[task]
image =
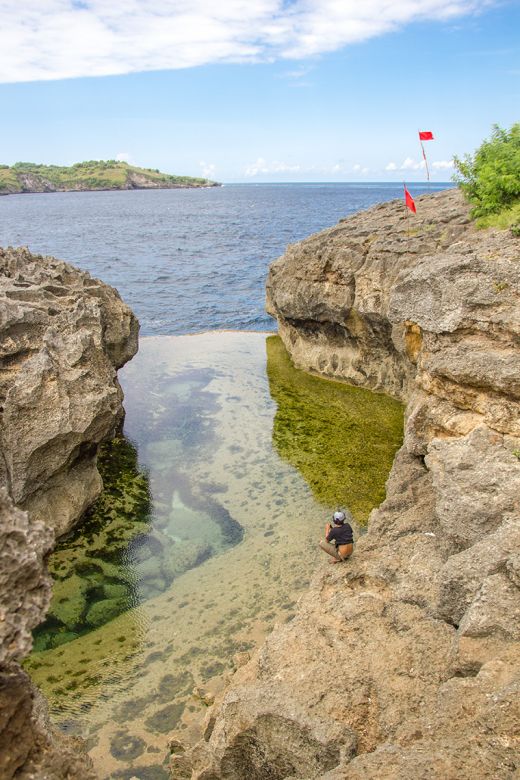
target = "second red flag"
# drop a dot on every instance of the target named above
(409, 201)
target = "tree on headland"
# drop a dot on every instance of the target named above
(490, 178)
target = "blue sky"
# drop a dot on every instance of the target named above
(263, 90)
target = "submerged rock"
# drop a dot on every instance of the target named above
(404, 662)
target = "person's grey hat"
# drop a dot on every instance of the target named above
(339, 517)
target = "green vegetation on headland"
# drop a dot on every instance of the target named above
(490, 179)
(342, 439)
(90, 175)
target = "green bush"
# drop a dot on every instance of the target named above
(490, 178)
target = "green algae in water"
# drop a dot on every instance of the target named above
(342, 439)
(146, 662)
(92, 580)
(124, 551)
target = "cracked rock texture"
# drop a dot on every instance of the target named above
(63, 335)
(404, 662)
(30, 749)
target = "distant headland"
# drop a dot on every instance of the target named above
(90, 175)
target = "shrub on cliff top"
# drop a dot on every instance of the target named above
(490, 178)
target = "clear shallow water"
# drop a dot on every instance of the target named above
(186, 261)
(201, 414)
(192, 559)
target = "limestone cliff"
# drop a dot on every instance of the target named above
(30, 749)
(62, 337)
(404, 662)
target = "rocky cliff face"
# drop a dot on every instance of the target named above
(62, 337)
(403, 662)
(29, 747)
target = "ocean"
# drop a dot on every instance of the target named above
(186, 261)
(189, 557)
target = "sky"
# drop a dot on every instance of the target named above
(257, 90)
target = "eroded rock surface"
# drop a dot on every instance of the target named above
(403, 663)
(62, 337)
(29, 746)
(63, 334)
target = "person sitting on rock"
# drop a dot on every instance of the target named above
(339, 538)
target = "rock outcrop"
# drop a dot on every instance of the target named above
(30, 749)
(63, 335)
(404, 662)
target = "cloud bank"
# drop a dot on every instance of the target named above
(57, 39)
(409, 164)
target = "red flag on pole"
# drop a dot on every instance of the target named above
(425, 135)
(409, 201)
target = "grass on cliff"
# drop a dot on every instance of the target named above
(342, 439)
(92, 174)
(490, 179)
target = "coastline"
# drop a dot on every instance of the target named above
(114, 189)
(422, 584)
(407, 315)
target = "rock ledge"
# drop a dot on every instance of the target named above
(404, 664)
(63, 335)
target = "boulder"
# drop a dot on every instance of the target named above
(63, 336)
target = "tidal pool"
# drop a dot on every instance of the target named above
(204, 538)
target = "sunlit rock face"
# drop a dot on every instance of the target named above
(63, 335)
(332, 293)
(408, 652)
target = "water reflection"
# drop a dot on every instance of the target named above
(343, 439)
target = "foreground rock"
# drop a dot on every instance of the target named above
(29, 747)
(403, 663)
(63, 335)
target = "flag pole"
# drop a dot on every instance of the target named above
(407, 220)
(425, 160)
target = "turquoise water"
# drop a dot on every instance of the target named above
(206, 539)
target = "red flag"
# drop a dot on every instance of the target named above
(425, 135)
(409, 201)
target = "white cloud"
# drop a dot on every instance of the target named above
(208, 169)
(261, 167)
(55, 39)
(123, 157)
(409, 164)
(298, 73)
(441, 165)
